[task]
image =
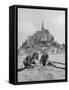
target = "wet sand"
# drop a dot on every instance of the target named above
(39, 73)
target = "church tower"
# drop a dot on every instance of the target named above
(42, 28)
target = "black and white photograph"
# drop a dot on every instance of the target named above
(41, 45)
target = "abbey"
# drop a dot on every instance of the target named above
(45, 34)
(40, 36)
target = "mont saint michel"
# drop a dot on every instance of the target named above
(42, 41)
(41, 45)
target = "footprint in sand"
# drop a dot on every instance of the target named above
(51, 76)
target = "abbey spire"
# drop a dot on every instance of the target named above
(42, 28)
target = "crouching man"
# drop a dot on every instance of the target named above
(27, 62)
(44, 59)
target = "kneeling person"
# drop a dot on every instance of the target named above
(44, 59)
(27, 62)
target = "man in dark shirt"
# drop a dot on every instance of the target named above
(27, 62)
(44, 59)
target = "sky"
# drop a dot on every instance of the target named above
(30, 21)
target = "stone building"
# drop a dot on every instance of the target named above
(40, 36)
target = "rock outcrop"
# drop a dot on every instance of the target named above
(43, 40)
